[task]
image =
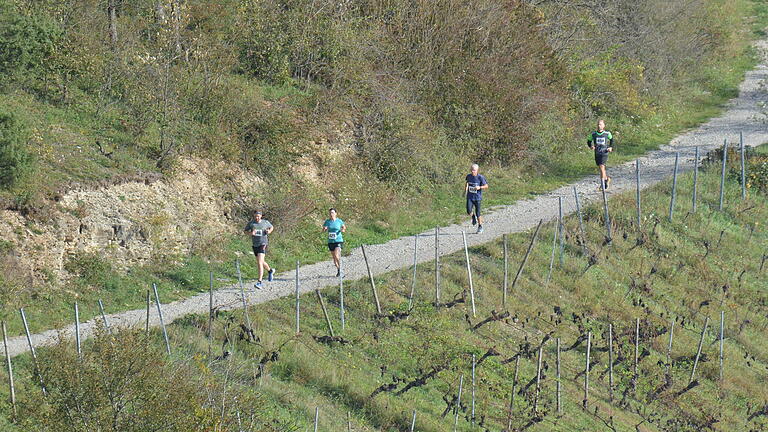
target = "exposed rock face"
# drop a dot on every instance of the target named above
(131, 223)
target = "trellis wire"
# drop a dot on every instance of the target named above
(527, 254)
(514, 389)
(743, 168)
(162, 322)
(242, 294)
(555, 234)
(325, 312)
(474, 364)
(669, 345)
(437, 266)
(610, 362)
(342, 312)
(373, 283)
(298, 301)
(77, 330)
(674, 188)
(722, 174)
(32, 349)
(635, 375)
(606, 214)
(146, 323)
(458, 404)
(581, 222)
(637, 193)
(695, 177)
(104, 317)
(722, 332)
(11, 386)
(538, 380)
(469, 274)
(560, 229)
(698, 351)
(559, 384)
(506, 270)
(586, 371)
(317, 417)
(413, 421)
(413, 283)
(210, 314)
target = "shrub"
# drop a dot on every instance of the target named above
(122, 383)
(15, 161)
(91, 268)
(25, 42)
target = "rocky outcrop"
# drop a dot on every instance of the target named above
(134, 222)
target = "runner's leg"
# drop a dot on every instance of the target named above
(476, 206)
(260, 260)
(337, 257)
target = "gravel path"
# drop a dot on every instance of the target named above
(741, 114)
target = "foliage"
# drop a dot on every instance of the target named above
(757, 174)
(91, 268)
(15, 160)
(121, 383)
(26, 43)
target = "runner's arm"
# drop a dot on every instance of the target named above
(343, 228)
(610, 145)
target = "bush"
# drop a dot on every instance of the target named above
(15, 161)
(91, 268)
(25, 42)
(122, 383)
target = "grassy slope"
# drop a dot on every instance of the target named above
(122, 292)
(672, 278)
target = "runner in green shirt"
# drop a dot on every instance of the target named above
(601, 141)
(335, 228)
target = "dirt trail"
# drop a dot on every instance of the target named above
(742, 114)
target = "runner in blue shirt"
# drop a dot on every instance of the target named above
(473, 189)
(335, 228)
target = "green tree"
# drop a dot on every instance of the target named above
(15, 160)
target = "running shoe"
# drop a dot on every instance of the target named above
(338, 272)
(270, 274)
(608, 183)
(258, 285)
(474, 219)
(480, 229)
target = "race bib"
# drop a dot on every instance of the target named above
(472, 189)
(331, 236)
(258, 233)
(600, 141)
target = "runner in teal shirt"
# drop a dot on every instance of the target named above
(335, 228)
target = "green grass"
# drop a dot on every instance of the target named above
(66, 153)
(670, 275)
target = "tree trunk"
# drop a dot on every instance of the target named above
(176, 17)
(160, 11)
(112, 14)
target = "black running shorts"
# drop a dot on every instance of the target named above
(332, 246)
(260, 250)
(601, 158)
(473, 204)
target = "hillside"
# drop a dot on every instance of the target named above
(136, 136)
(257, 374)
